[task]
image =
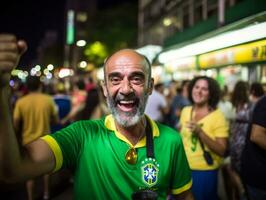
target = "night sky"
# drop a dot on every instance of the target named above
(29, 20)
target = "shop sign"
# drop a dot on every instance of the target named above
(181, 64)
(246, 53)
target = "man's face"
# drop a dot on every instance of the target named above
(127, 87)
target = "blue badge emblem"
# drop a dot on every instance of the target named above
(150, 171)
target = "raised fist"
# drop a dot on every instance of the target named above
(10, 51)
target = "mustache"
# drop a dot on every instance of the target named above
(129, 97)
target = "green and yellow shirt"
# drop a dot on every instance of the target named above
(95, 151)
(215, 126)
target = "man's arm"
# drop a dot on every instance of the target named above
(37, 158)
(258, 135)
(186, 195)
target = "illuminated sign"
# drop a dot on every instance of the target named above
(181, 64)
(246, 53)
(70, 27)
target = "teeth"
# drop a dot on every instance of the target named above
(126, 102)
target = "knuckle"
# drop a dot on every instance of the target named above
(13, 46)
(8, 37)
(8, 56)
(6, 47)
(12, 38)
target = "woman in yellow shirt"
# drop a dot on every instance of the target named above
(204, 131)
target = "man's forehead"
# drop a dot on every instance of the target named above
(125, 62)
(125, 65)
(125, 58)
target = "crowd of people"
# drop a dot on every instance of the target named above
(217, 121)
(129, 138)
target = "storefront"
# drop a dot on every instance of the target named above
(242, 62)
(228, 54)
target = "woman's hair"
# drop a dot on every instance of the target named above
(240, 94)
(213, 87)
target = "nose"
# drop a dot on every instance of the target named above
(126, 87)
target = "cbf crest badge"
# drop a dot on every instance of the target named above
(150, 171)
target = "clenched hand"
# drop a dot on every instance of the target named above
(10, 51)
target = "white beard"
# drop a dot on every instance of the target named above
(127, 119)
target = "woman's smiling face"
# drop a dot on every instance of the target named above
(200, 92)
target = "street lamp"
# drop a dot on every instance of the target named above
(81, 43)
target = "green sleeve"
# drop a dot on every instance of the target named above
(181, 171)
(70, 141)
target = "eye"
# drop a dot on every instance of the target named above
(115, 80)
(205, 89)
(137, 80)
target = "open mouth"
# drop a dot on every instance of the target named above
(127, 105)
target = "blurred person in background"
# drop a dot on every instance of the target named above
(225, 105)
(89, 83)
(171, 91)
(104, 154)
(256, 91)
(253, 161)
(238, 129)
(157, 107)
(78, 98)
(18, 90)
(178, 103)
(243, 99)
(63, 102)
(33, 114)
(94, 106)
(204, 130)
(243, 109)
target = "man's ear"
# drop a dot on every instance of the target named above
(150, 86)
(103, 84)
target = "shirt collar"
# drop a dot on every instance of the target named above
(109, 123)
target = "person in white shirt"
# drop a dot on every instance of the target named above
(156, 106)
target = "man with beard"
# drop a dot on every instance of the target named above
(109, 156)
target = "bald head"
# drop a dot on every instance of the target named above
(127, 57)
(127, 85)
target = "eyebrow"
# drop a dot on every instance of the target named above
(118, 74)
(137, 74)
(112, 74)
